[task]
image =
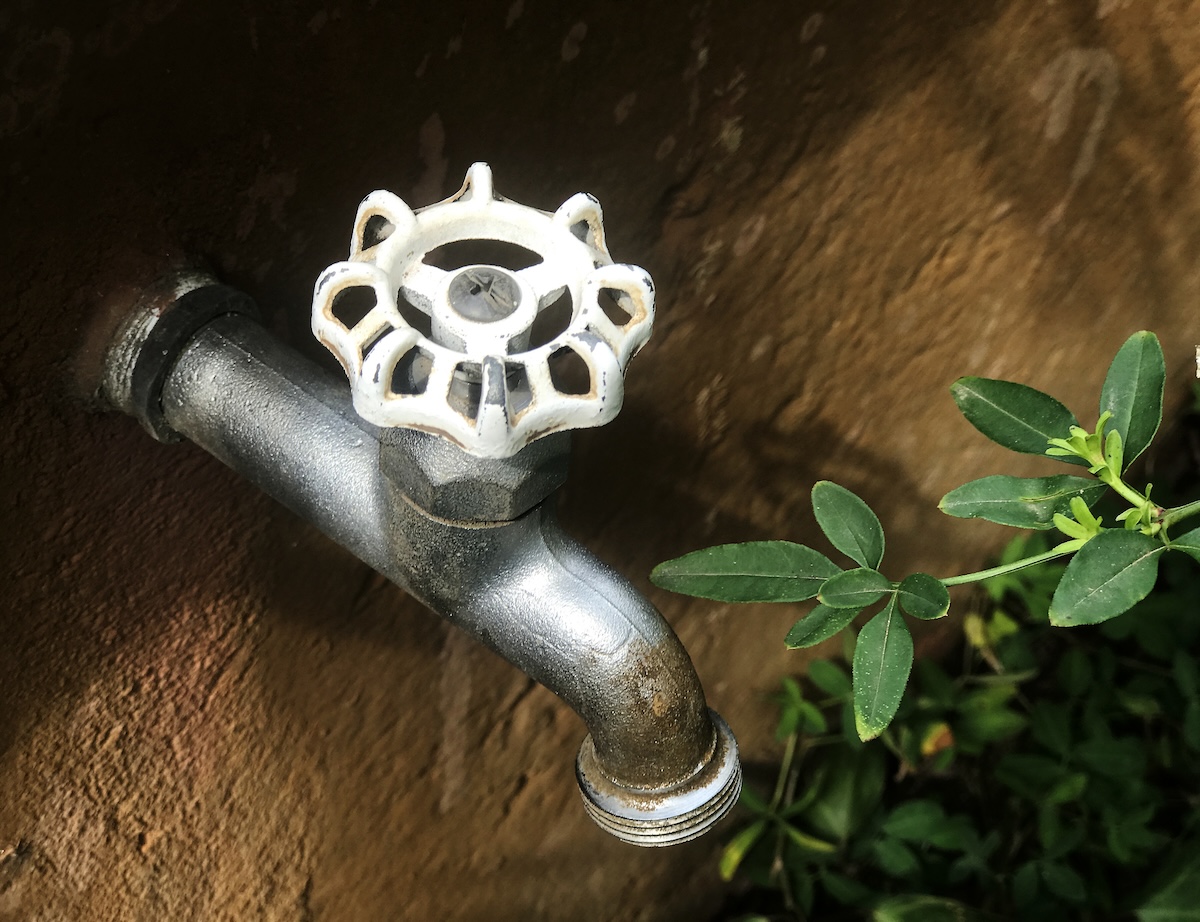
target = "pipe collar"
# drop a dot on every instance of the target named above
(664, 816)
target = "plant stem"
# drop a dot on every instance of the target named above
(1171, 516)
(789, 753)
(1004, 568)
(1136, 499)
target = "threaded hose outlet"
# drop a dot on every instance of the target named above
(664, 816)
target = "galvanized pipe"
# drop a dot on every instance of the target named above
(284, 425)
(657, 767)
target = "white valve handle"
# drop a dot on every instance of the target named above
(463, 364)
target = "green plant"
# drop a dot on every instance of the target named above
(1111, 568)
(1052, 776)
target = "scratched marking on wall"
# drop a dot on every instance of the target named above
(572, 43)
(270, 191)
(32, 101)
(808, 32)
(1057, 87)
(691, 73)
(624, 107)
(514, 13)
(431, 147)
(454, 701)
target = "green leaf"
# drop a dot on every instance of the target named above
(1120, 758)
(854, 589)
(1128, 834)
(1107, 576)
(935, 684)
(957, 834)
(849, 785)
(1191, 725)
(1114, 451)
(1022, 502)
(921, 908)
(808, 843)
(737, 848)
(883, 660)
(1063, 882)
(756, 571)
(1075, 672)
(923, 596)
(1189, 543)
(813, 719)
(819, 625)
(791, 700)
(1051, 833)
(975, 728)
(1133, 392)
(1030, 776)
(848, 523)
(1013, 415)
(795, 714)
(801, 880)
(798, 806)
(1069, 789)
(1176, 896)
(845, 890)
(1140, 705)
(830, 678)
(915, 820)
(1050, 724)
(752, 801)
(990, 696)
(895, 858)
(1025, 884)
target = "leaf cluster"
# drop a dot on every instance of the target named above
(1052, 777)
(1113, 568)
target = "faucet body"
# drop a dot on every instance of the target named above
(474, 539)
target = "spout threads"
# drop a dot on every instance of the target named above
(680, 813)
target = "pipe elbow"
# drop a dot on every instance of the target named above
(657, 767)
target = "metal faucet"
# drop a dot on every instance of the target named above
(438, 468)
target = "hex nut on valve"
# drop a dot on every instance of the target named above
(449, 483)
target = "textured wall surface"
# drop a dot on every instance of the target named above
(209, 712)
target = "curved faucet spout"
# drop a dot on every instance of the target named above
(551, 608)
(657, 766)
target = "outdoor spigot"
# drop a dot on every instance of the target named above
(436, 467)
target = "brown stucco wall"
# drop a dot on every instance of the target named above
(209, 712)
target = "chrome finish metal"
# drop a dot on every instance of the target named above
(657, 766)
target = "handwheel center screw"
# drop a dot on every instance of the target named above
(484, 294)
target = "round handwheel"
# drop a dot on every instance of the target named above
(490, 351)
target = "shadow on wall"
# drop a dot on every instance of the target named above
(643, 486)
(1049, 195)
